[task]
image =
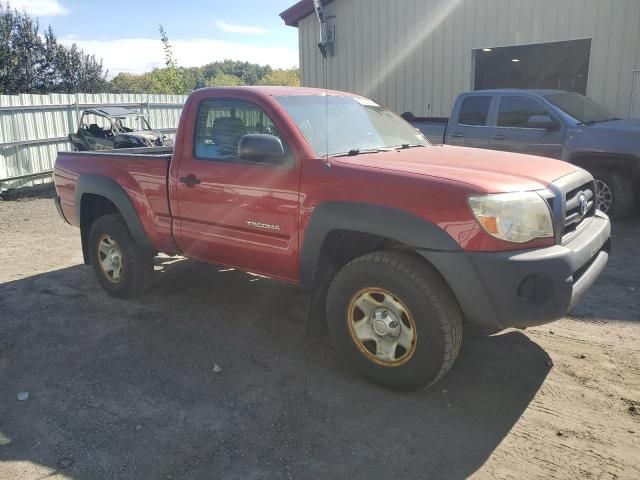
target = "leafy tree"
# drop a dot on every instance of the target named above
(171, 78)
(216, 74)
(34, 63)
(224, 80)
(289, 78)
(131, 83)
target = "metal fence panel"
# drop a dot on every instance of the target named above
(33, 128)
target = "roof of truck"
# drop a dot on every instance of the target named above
(286, 91)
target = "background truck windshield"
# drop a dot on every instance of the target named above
(581, 108)
(336, 125)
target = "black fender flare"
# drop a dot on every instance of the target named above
(390, 223)
(109, 189)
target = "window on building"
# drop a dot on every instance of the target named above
(556, 65)
(474, 111)
(516, 112)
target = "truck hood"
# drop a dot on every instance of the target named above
(488, 170)
(622, 126)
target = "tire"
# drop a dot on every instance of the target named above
(109, 239)
(615, 195)
(420, 308)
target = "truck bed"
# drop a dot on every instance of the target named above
(140, 172)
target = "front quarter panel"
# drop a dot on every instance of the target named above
(589, 141)
(416, 210)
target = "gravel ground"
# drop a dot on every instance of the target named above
(127, 389)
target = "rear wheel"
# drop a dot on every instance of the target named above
(395, 320)
(614, 194)
(121, 266)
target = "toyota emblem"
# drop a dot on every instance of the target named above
(584, 204)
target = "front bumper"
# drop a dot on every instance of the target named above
(497, 290)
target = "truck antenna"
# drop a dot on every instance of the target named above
(326, 48)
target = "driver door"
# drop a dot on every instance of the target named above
(230, 211)
(515, 131)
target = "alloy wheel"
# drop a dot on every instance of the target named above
(604, 196)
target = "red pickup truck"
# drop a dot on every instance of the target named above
(400, 242)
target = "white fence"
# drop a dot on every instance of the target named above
(33, 128)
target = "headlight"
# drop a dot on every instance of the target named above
(515, 217)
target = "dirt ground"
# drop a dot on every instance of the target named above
(127, 389)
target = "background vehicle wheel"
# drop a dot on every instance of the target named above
(395, 320)
(614, 194)
(121, 266)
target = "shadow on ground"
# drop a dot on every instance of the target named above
(126, 389)
(45, 190)
(616, 294)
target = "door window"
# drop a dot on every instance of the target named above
(474, 111)
(520, 112)
(222, 123)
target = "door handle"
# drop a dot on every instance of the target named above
(457, 135)
(498, 137)
(190, 180)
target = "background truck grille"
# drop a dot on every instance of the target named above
(580, 205)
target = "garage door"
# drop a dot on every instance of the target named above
(556, 65)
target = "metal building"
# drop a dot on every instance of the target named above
(418, 55)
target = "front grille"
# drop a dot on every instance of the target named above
(580, 205)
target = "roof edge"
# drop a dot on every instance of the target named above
(298, 11)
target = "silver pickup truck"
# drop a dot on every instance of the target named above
(549, 123)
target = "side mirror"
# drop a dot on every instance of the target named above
(260, 148)
(543, 121)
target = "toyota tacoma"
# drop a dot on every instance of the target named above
(400, 243)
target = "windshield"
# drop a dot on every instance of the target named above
(337, 125)
(131, 123)
(583, 109)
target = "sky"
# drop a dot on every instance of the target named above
(124, 34)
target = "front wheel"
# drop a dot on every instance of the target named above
(121, 266)
(395, 320)
(614, 194)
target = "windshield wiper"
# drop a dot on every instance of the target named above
(593, 122)
(406, 146)
(359, 151)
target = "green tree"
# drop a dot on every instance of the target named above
(35, 63)
(171, 78)
(132, 83)
(224, 80)
(288, 78)
(227, 73)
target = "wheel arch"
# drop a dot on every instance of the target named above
(339, 232)
(591, 161)
(330, 221)
(95, 196)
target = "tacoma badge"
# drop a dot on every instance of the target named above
(264, 226)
